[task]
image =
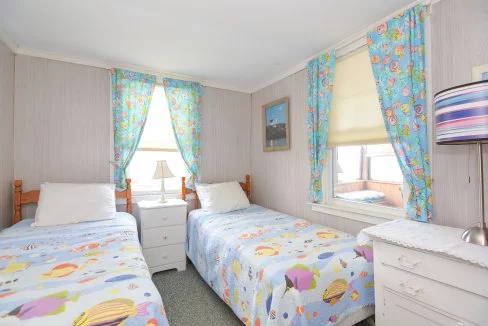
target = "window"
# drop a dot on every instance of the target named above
(157, 143)
(364, 172)
(368, 174)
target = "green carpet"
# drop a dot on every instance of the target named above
(189, 301)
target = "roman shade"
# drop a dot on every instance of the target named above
(356, 113)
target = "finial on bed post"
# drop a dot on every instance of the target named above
(129, 195)
(248, 186)
(17, 201)
(183, 188)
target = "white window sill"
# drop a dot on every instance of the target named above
(371, 215)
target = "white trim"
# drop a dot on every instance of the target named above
(478, 72)
(356, 214)
(8, 41)
(363, 212)
(341, 46)
(109, 65)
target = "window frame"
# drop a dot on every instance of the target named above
(153, 194)
(145, 193)
(362, 212)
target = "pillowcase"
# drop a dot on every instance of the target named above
(67, 203)
(222, 197)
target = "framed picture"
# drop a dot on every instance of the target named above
(276, 126)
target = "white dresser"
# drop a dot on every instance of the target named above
(425, 275)
(163, 234)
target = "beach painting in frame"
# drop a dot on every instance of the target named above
(276, 127)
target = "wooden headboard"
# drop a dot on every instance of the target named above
(246, 186)
(32, 197)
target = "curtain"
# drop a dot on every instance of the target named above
(131, 97)
(184, 98)
(320, 79)
(397, 54)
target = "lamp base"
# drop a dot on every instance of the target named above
(162, 199)
(476, 235)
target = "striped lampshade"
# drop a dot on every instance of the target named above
(461, 113)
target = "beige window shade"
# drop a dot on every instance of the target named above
(355, 113)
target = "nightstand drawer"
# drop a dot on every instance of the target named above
(162, 236)
(164, 255)
(151, 218)
(433, 267)
(451, 300)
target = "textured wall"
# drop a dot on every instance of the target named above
(6, 134)
(459, 42)
(62, 123)
(280, 179)
(225, 135)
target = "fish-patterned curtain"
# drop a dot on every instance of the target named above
(184, 99)
(397, 54)
(131, 97)
(320, 79)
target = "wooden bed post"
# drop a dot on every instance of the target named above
(17, 198)
(248, 186)
(183, 188)
(129, 195)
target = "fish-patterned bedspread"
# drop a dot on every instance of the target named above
(275, 269)
(80, 274)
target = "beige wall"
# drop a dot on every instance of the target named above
(62, 123)
(6, 134)
(226, 135)
(62, 126)
(280, 179)
(459, 42)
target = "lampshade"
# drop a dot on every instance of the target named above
(162, 170)
(461, 114)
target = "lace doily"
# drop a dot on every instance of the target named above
(428, 237)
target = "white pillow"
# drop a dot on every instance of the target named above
(67, 203)
(222, 197)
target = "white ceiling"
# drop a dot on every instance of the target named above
(226, 43)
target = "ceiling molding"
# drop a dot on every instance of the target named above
(109, 65)
(343, 47)
(8, 41)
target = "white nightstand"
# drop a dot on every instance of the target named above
(424, 274)
(163, 234)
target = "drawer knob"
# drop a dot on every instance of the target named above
(165, 238)
(165, 256)
(405, 262)
(413, 291)
(165, 218)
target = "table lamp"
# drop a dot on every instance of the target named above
(162, 171)
(461, 117)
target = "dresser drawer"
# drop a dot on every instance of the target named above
(151, 218)
(162, 236)
(435, 267)
(451, 300)
(164, 255)
(401, 311)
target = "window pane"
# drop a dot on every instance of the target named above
(349, 162)
(368, 174)
(158, 132)
(142, 169)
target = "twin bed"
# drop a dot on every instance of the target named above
(275, 269)
(90, 273)
(269, 267)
